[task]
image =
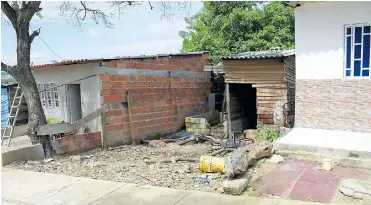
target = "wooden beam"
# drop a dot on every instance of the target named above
(79, 125)
(50, 129)
(228, 103)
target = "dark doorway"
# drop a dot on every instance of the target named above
(243, 107)
(74, 102)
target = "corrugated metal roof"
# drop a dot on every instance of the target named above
(70, 62)
(163, 55)
(83, 61)
(260, 55)
(7, 79)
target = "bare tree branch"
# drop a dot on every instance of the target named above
(30, 9)
(34, 34)
(78, 12)
(150, 5)
(7, 68)
(72, 12)
(9, 12)
(15, 6)
(82, 3)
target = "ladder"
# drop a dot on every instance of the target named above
(12, 116)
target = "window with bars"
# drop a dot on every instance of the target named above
(49, 95)
(357, 51)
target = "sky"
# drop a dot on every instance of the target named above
(138, 31)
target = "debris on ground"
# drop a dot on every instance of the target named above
(276, 159)
(174, 161)
(239, 160)
(357, 189)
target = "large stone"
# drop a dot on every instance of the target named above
(237, 185)
(355, 188)
(276, 159)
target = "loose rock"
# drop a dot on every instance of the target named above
(220, 190)
(76, 158)
(276, 159)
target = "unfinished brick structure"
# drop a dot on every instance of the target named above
(159, 90)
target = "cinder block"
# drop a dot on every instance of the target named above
(237, 185)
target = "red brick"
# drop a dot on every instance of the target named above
(106, 85)
(123, 78)
(105, 92)
(115, 92)
(117, 113)
(105, 77)
(143, 66)
(111, 64)
(109, 113)
(115, 78)
(115, 98)
(116, 84)
(142, 78)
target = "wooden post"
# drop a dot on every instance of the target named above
(228, 104)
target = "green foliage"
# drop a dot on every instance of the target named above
(265, 133)
(227, 27)
(52, 121)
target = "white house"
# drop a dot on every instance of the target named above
(333, 77)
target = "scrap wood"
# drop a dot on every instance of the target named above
(199, 137)
(222, 150)
(191, 139)
(173, 160)
(243, 157)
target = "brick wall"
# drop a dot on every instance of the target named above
(81, 142)
(159, 104)
(342, 104)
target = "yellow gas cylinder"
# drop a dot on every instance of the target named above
(212, 164)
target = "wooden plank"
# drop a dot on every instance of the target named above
(79, 125)
(50, 129)
(228, 103)
(271, 98)
(252, 62)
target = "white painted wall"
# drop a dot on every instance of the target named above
(319, 36)
(90, 89)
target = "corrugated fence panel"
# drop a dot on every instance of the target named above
(4, 106)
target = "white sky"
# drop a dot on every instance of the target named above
(139, 31)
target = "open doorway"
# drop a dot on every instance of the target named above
(243, 107)
(74, 102)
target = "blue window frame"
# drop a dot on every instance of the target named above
(357, 51)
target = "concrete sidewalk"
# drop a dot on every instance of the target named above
(30, 188)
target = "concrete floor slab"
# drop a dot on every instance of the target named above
(35, 187)
(132, 194)
(279, 181)
(83, 191)
(315, 185)
(350, 141)
(20, 149)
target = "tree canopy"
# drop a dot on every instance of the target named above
(233, 27)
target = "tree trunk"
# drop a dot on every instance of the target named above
(22, 73)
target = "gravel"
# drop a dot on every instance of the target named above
(128, 164)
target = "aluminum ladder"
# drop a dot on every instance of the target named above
(12, 116)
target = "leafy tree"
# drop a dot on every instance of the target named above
(233, 27)
(20, 14)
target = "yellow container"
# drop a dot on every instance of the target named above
(212, 164)
(327, 164)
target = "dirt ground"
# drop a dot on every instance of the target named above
(128, 164)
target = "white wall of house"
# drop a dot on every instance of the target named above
(90, 89)
(319, 37)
